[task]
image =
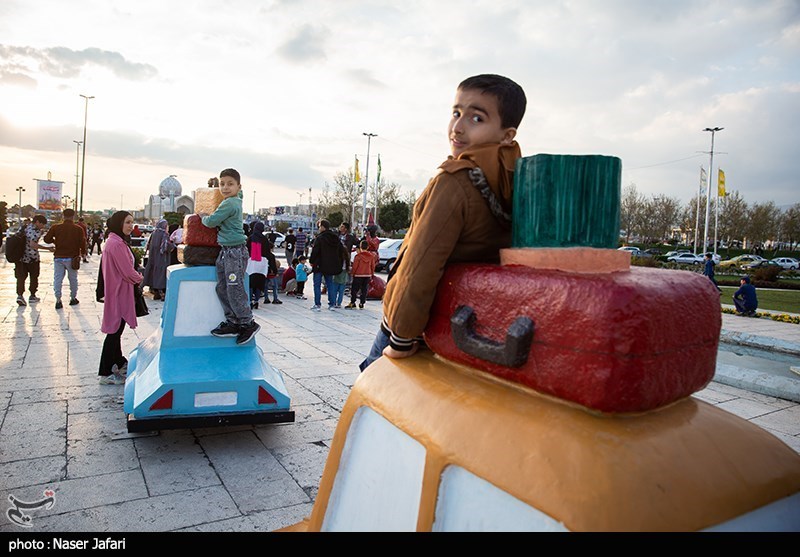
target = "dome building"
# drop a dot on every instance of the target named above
(168, 199)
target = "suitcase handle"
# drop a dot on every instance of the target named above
(512, 353)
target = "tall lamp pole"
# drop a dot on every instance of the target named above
(77, 170)
(19, 214)
(708, 189)
(83, 164)
(366, 179)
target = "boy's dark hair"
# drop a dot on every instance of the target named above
(346, 226)
(511, 101)
(301, 258)
(68, 214)
(40, 218)
(232, 173)
(364, 244)
(295, 261)
(325, 223)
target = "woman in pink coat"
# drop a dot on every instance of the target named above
(119, 276)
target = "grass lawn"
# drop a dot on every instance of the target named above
(775, 300)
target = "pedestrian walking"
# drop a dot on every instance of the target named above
(28, 266)
(158, 250)
(70, 246)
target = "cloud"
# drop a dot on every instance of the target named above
(305, 45)
(62, 62)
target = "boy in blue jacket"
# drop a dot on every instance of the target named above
(745, 298)
(232, 261)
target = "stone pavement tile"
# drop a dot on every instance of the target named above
(69, 388)
(348, 379)
(342, 353)
(785, 421)
(28, 372)
(173, 461)
(5, 400)
(31, 471)
(237, 524)
(29, 444)
(85, 493)
(310, 367)
(153, 514)
(305, 463)
(251, 474)
(747, 409)
(269, 521)
(301, 348)
(85, 361)
(52, 354)
(107, 402)
(298, 393)
(93, 457)
(94, 425)
(329, 389)
(284, 435)
(793, 441)
(313, 412)
(47, 416)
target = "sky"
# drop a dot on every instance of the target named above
(285, 90)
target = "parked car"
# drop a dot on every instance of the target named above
(279, 239)
(787, 262)
(676, 252)
(760, 264)
(632, 250)
(740, 261)
(651, 252)
(686, 259)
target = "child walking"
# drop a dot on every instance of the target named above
(363, 269)
(272, 276)
(232, 261)
(301, 276)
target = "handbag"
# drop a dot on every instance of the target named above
(138, 301)
(76, 262)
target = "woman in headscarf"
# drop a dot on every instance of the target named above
(119, 277)
(174, 240)
(158, 248)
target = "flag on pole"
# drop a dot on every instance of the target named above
(378, 180)
(721, 184)
(357, 174)
(703, 180)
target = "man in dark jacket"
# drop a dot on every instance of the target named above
(328, 258)
(70, 242)
(708, 270)
(745, 298)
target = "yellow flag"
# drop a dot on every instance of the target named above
(721, 184)
(357, 174)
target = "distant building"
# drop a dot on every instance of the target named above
(168, 199)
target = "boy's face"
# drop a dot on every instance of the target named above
(476, 120)
(229, 187)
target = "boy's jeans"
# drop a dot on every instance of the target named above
(318, 289)
(272, 284)
(63, 265)
(337, 291)
(381, 341)
(235, 300)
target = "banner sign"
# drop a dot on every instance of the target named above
(49, 195)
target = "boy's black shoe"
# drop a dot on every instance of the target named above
(74, 302)
(59, 305)
(247, 332)
(226, 329)
(276, 301)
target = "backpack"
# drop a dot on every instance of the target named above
(15, 246)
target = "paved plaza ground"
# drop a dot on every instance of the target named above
(62, 431)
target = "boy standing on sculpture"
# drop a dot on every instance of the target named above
(232, 261)
(464, 213)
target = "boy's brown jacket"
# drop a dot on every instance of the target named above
(451, 223)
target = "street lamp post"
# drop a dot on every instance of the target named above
(708, 188)
(366, 179)
(19, 213)
(77, 169)
(83, 165)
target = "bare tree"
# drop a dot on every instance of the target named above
(346, 193)
(733, 215)
(763, 221)
(630, 210)
(790, 225)
(665, 216)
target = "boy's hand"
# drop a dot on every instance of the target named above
(398, 354)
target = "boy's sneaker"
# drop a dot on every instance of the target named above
(338, 306)
(226, 329)
(33, 299)
(59, 305)
(21, 301)
(351, 305)
(120, 371)
(112, 380)
(360, 306)
(315, 308)
(74, 302)
(247, 332)
(276, 301)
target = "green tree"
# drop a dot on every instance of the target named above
(335, 218)
(173, 218)
(395, 216)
